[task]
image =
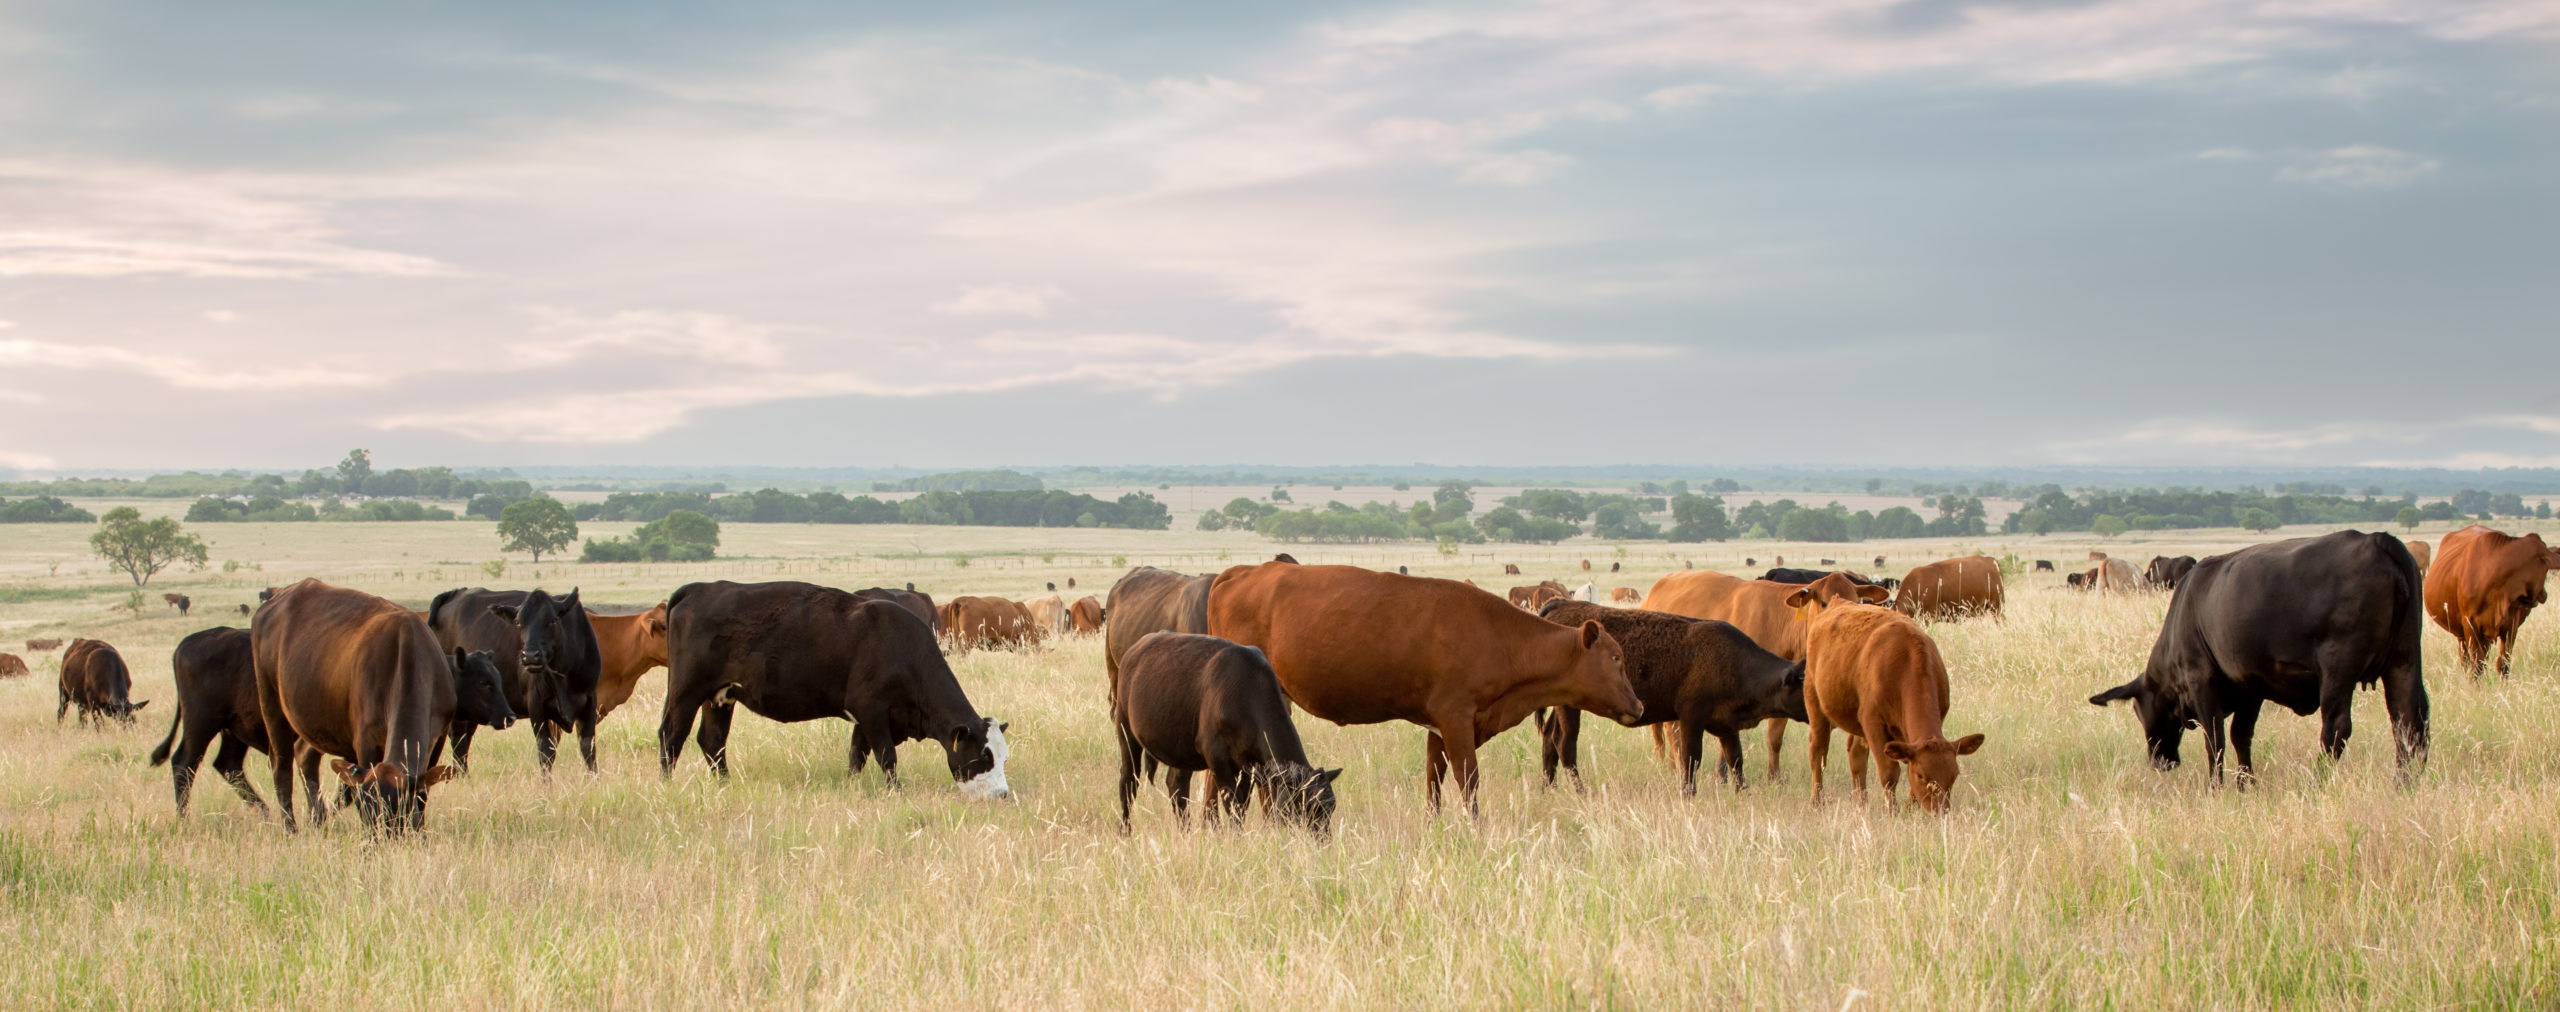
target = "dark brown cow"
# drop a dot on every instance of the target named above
(178, 601)
(41, 645)
(547, 654)
(2482, 586)
(1150, 600)
(1952, 588)
(1701, 675)
(910, 599)
(1199, 703)
(2044, 565)
(346, 674)
(217, 697)
(12, 666)
(95, 679)
(2166, 571)
(1873, 673)
(972, 622)
(1358, 647)
(1085, 615)
(630, 646)
(244, 609)
(1510, 569)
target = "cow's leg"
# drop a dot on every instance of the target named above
(587, 739)
(1459, 743)
(228, 762)
(673, 726)
(1435, 764)
(1858, 769)
(285, 747)
(2209, 716)
(1729, 764)
(1230, 789)
(1817, 746)
(1177, 789)
(857, 752)
(1129, 761)
(183, 761)
(1776, 729)
(1693, 740)
(2506, 648)
(1666, 746)
(713, 739)
(546, 742)
(2404, 697)
(64, 707)
(2337, 715)
(309, 759)
(459, 735)
(1560, 744)
(2244, 733)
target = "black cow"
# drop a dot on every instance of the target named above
(1706, 675)
(545, 651)
(2301, 623)
(1800, 577)
(2044, 565)
(1195, 703)
(2166, 572)
(217, 696)
(795, 651)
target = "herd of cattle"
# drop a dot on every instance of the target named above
(1202, 671)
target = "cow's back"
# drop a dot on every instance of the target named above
(1357, 647)
(343, 665)
(1150, 600)
(2487, 580)
(1757, 607)
(1952, 587)
(2266, 614)
(1876, 662)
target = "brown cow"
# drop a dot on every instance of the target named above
(1536, 596)
(2483, 585)
(1952, 588)
(347, 674)
(1586, 565)
(1049, 613)
(972, 622)
(1625, 595)
(632, 646)
(95, 679)
(2116, 576)
(1358, 647)
(1085, 615)
(1151, 600)
(2420, 551)
(1872, 673)
(41, 645)
(178, 601)
(12, 666)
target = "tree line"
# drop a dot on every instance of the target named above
(1015, 508)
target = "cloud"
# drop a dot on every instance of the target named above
(1001, 300)
(185, 372)
(25, 461)
(1519, 168)
(221, 316)
(1683, 96)
(2358, 167)
(109, 220)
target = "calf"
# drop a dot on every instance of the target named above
(1625, 595)
(1704, 675)
(217, 697)
(178, 601)
(12, 666)
(95, 679)
(1194, 703)
(1872, 673)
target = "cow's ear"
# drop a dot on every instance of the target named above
(1799, 598)
(1969, 744)
(1795, 676)
(347, 772)
(138, 706)
(436, 775)
(958, 735)
(1328, 776)
(461, 660)
(564, 604)
(1001, 726)
(1874, 595)
(2125, 691)
(1898, 751)
(1591, 633)
(504, 611)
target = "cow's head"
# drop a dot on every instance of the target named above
(1598, 681)
(557, 641)
(1933, 767)
(1787, 696)
(1299, 793)
(1812, 599)
(479, 691)
(388, 796)
(2164, 718)
(977, 752)
(653, 635)
(124, 711)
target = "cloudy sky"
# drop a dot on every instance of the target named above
(1814, 232)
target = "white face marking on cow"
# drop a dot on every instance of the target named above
(990, 785)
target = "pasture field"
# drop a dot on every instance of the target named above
(2069, 874)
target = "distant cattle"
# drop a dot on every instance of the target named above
(2425, 555)
(1400, 571)
(1749, 562)
(244, 609)
(2097, 556)
(178, 601)
(2117, 576)
(1357, 647)
(1053, 586)
(346, 674)
(2044, 565)
(547, 656)
(1613, 567)
(1779, 560)
(1510, 569)
(1586, 565)
(1873, 673)
(1830, 562)
(1879, 560)
(915, 601)
(1150, 600)
(41, 645)
(96, 680)
(2300, 623)
(1705, 676)
(1198, 703)
(1536, 595)
(2167, 571)
(2082, 581)
(1071, 584)
(628, 647)
(2482, 587)
(1048, 614)
(1800, 577)
(1625, 595)
(1758, 608)
(12, 666)
(1085, 616)
(1588, 592)
(794, 652)
(973, 622)
(1952, 588)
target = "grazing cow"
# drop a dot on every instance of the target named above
(1357, 647)
(2117, 576)
(12, 666)
(911, 599)
(2097, 556)
(1952, 588)
(547, 654)
(795, 652)
(1086, 615)
(1053, 586)
(1758, 608)
(1150, 600)
(627, 647)
(1586, 565)
(95, 679)
(2425, 555)
(1071, 584)
(2082, 581)
(2482, 586)
(346, 674)
(1879, 561)
(973, 622)
(2300, 623)
(1871, 672)
(2044, 565)
(1510, 569)
(1400, 571)
(41, 645)
(1779, 559)
(1706, 676)
(1625, 595)
(1536, 596)
(1048, 614)
(1199, 703)
(2165, 571)
(1588, 592)
(178, 601)
(1613, 567)
(1830, 562)
(217, 697)
(1750, 563)
(244, 609)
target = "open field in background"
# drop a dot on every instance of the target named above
(2068, 875)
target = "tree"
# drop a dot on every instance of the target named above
(537, 526)
(2257, 519)
(2408, 516)
(2107, 525)
(1452, 491)
(1698, 518)
(142, 547)
(354, 470)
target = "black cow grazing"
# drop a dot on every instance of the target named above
(546, 653)
(1196, 703)
(1071, 584)
(1749, 562)
(2301, 623)
(244, 609)
(793, 652)
(95, 679)
(1400, 571)
(2166, 572)
(1704, 674)
(911, 599)
(180, 602)
(2044, 565)
(1830, 562)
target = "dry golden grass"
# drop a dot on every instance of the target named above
(2068, 875)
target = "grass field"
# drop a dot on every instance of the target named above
(2068, 874)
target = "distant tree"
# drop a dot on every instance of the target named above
(2107, 525)
(2257, 519)
(2409, 517)
(1875, 485)
(2543, 511)
(1280, 495)
(352, 471)
(537, 526)
(141, 548)
(1698, 518)
(1452, 491)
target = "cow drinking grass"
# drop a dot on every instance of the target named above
(1192, 703)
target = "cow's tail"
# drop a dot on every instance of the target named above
(435, 608)
(161, 755)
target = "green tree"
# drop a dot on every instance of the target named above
(2408, 516)
(352, 471)
(1452, 491)
(537, 526)
(141, 548)
(2107, 525)
(2257, 519)
(1698, 518)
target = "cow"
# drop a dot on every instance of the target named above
(2166, 571)
(1400, 571)
(96, 680)
(1149, 600)
(793, 652)
(244, 609)
(1830, 562)
(178, 601)
(2117, 576)
(1625, 595)
(1872, 673)
(2096, 556)
(12, 666)
(1778, 559)
(1879, 562)
(1053, 586)
(2044, 565)
(2425, 555)
(1800, 577)
(217, 697)
(1048, 614)
(2082, 581)
(46, 644)
(1588, 592)
(1586, 565)
(1703, 675)
(1071, 584)
(911, 599)
(1750, 563)
(2481, 588)
(627, 647)
(1510, 569)
(2300, 623)
(1086, 615)
(1951, 588)
(1356, 647)
(1198, 703)
(1757, 607)
(547, 654)
(1613, 567)
(346, 674)
(973, 622)
(1536, 595)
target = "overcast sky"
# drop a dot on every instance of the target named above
(1816, 232)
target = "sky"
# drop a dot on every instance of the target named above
(1809, 233)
